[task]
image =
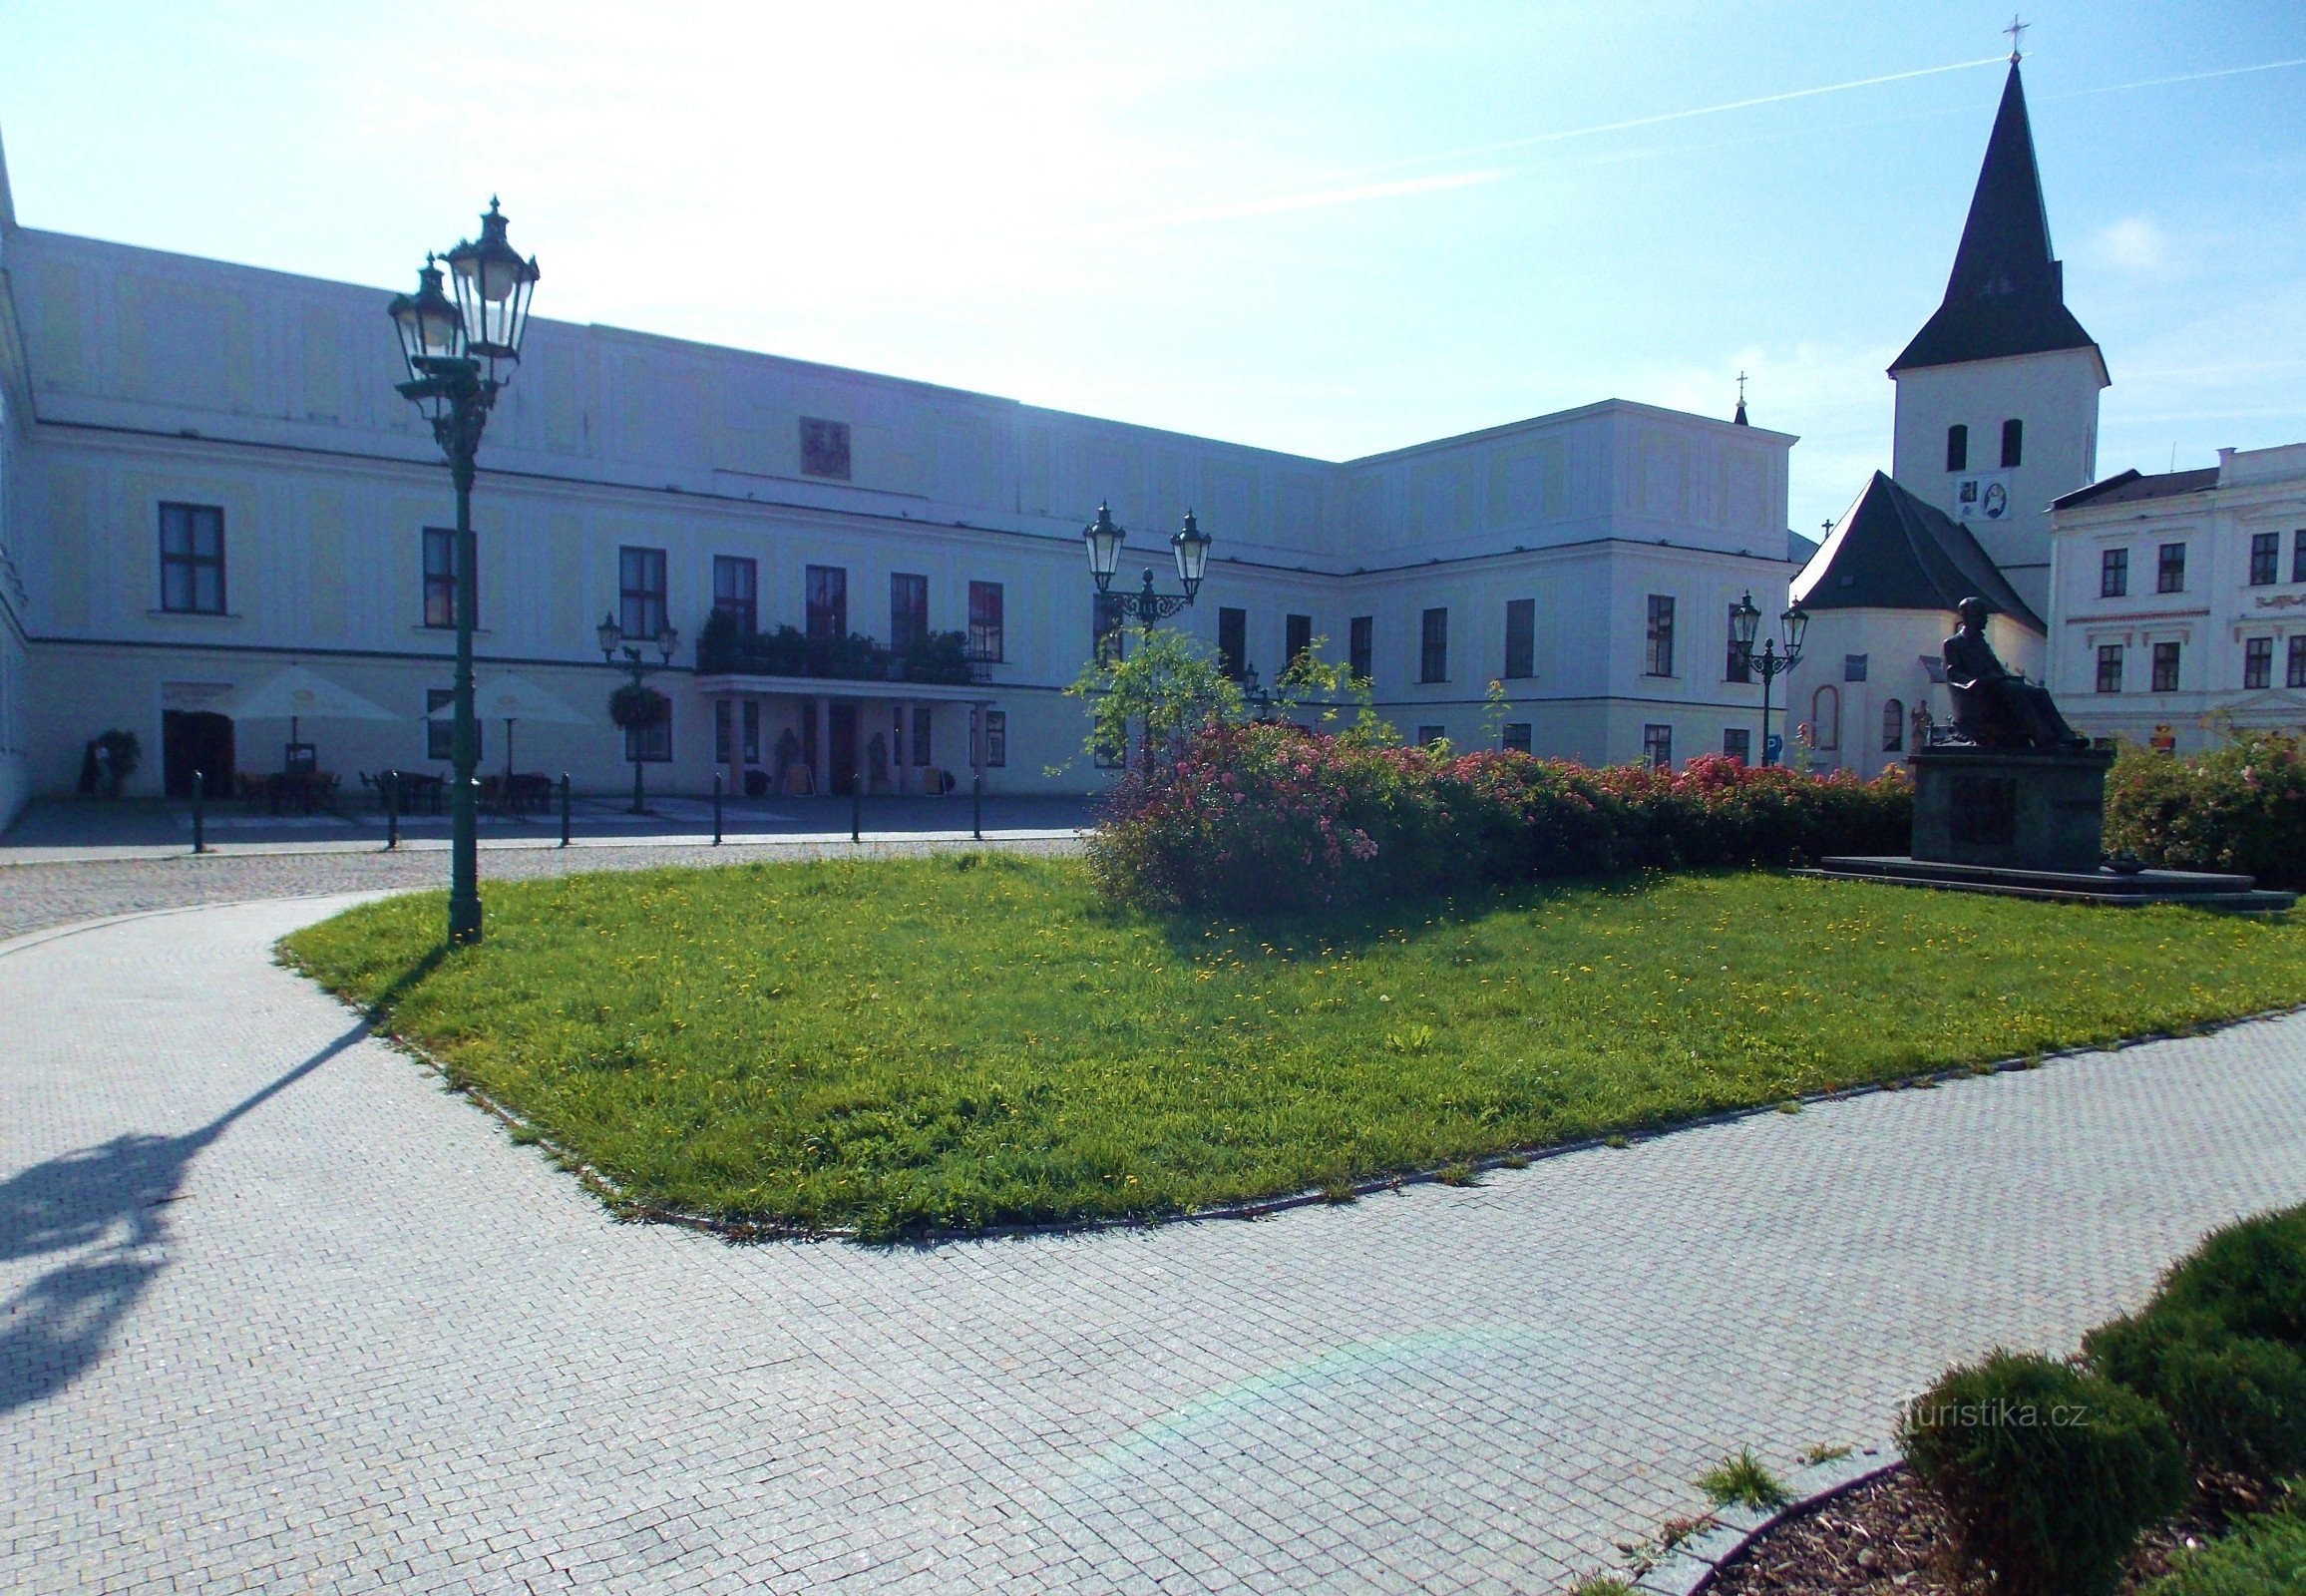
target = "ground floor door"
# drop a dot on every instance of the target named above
(841, 735)
(196, 740)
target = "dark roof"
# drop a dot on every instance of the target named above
(2006, 293)
(1797, 548)
(2132, 485)
(1891, 551)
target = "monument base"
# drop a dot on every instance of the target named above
(2016, 808)
(2202, 889)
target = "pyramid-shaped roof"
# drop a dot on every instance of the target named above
(1892, 551)
(2006, 293)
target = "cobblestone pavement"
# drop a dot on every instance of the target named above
(284, 1316)
(33, 895)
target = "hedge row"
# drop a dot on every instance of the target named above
(1271, 817)
(2240, 807)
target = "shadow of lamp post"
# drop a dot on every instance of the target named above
(460, 357)
(1772, 662)
(611, 640)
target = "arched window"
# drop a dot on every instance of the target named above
(2013, 442)
(1825, 719)
(1957, 447)
(1893, 726)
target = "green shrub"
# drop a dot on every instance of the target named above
(2239, 807)
(2249, 1276)
(2264, 1556)
(2047, 1473)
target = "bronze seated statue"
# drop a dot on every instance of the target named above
(1993, 707)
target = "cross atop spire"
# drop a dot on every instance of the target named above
(2016, 33)
(1739, 418)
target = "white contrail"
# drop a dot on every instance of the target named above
(2190, 77)
(1265, 203)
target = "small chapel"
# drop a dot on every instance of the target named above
(1997, 416)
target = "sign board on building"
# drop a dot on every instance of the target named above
(1985, 497)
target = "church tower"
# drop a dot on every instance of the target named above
(1997, 395)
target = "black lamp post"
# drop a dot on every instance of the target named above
(1772, 662)
(611, 638)
(1103, 538)
(460, 357)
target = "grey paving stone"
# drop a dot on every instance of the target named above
(269, 1326)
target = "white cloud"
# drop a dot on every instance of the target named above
(2134, 243)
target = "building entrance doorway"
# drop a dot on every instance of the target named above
(840, 750)
(196, 740)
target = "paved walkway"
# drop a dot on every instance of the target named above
(282, 1316)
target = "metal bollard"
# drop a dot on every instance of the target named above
(856, 806)
(977, 799)
(717, 811)
(563, 809)
(199, 815)
(391, 810)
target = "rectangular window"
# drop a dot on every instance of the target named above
(2166, 668)
(1739, 663)
(1434, 647)
(2295, 674)
(1957, 447)
(2298, 555)
(2013, 443)
(986, 612)
(651, 747)
(1520, 639)
(995, 739)
(1853, 668)
(192, 560)
(1233, 643)
(826, 592)
(641, 588)
(440, 578)
(2113, 574)
(1738, 744)
(736, 591)
(723, 731)
(1107, 627)
(1297, 637)
(908, 610)
(2265, 559)
(753, 731)
(2171, 572)
(923, 725)
(1517, 736)
(1428, 736)
(2257, 662)
(2110, 668)
(824, 448)
(1361, 635)
(1893, 726)
(440, 736)
(1660, 660)
(1657, 747)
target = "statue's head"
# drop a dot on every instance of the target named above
(1974, 611)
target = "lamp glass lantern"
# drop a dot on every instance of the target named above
(493, 287)
(1796, 620)
(1745, 625)
(666, 641)
(1103, 538)
(1191, 546)
(608, 634)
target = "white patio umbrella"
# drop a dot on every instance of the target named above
(296, 694)
(510, 699)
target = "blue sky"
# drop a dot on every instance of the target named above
(1332, 228)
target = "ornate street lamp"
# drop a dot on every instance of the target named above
(610, 637)
(460, 357)
(1189, 544)
(1773, 661)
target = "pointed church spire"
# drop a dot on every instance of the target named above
(1738, 420)
(2006, 293)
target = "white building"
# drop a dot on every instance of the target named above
(205, 476)
(2179, 606)
(1997, 416)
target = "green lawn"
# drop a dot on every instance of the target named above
(965, 1041)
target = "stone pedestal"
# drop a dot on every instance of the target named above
(2010, 809)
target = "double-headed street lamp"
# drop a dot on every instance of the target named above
(460, 357)
(611, 638)
(1103, 538)
(1772, 662)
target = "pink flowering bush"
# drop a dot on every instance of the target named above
(1272, 817)
(2242, 808)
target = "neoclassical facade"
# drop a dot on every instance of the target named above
(205, 476)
